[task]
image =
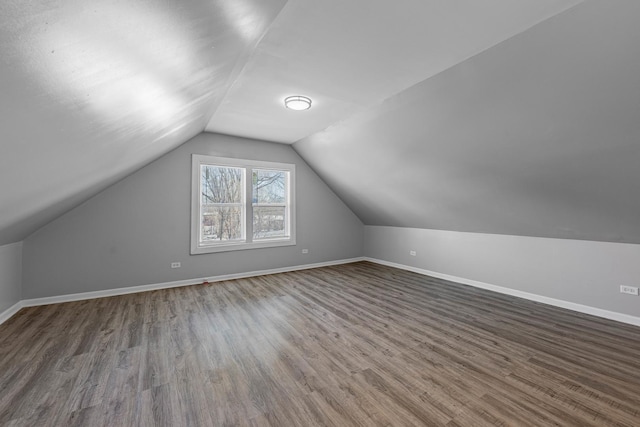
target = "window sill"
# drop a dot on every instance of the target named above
(228, 247)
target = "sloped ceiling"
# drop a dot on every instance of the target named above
(350, 55)
(91, 90)
(502, 116)
(537, 136)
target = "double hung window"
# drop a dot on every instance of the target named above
(241, 204)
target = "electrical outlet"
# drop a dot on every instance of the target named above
(631, 290)
(175, 265)
(305, 251)
(412, 253)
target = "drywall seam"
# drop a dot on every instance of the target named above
(611, 315)
(166, 285)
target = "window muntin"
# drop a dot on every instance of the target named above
(241, 204)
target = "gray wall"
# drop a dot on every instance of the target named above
(10, 275)
(582, 272)
(129, 234)
(537, 136)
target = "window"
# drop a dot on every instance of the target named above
(241, 204)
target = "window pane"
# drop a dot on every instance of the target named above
(240, 204)
(269, 186)
(221, 223)
(221, 184)
(268, 222)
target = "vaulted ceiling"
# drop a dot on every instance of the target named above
(537, 136)
(502, 116)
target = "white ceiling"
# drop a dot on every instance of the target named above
(348, 55)
(537, 136)
(92, 90)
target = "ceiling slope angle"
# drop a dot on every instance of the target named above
(537, 136)
(94, 89)
(349, 55)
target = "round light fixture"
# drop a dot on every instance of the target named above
(297, 102)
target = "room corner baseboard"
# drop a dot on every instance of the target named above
(166, 285)
(9, 312)
(611, 315)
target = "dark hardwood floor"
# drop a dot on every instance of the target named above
(357, 344)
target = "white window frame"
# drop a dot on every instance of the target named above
(199, 247)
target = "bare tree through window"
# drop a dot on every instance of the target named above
(222, 203)
(241, 204)
(269, 203)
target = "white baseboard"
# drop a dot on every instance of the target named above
(611, 315)
(166, 285)
(6, 315)
(620, 317)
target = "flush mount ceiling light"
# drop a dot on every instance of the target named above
(297, 102)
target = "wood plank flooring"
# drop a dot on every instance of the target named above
(352, 345)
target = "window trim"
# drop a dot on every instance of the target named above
(249, 165)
